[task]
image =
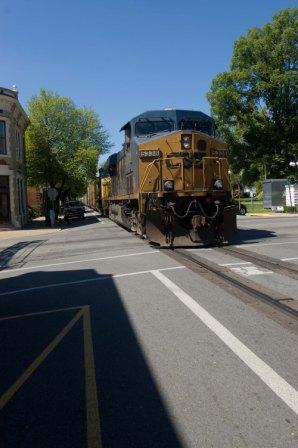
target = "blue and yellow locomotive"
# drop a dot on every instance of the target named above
(170, 182)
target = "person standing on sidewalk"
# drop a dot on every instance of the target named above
(52, 217)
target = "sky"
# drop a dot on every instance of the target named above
(124, 57)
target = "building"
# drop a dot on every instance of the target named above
(13, 123)
(34, 198)
(291, 195)
(274, 194)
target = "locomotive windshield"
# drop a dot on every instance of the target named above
(153, 127)
(196, 125)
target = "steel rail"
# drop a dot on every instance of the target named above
(247, 286)
(278, 266)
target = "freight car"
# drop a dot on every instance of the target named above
(91, 197)
(170, 182)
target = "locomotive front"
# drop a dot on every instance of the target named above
(184, 189)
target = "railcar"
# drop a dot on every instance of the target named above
(170, 182)
(91, 197)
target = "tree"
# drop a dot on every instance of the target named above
(254, 104)
(63, 143)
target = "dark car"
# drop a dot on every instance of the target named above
(74, 209)
(242, 209)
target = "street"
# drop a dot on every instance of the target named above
(109, 342)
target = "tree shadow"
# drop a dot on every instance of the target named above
(243, 236)
(75, 222)
(49, 409)
(7, 254)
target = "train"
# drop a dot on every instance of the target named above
(170, 182)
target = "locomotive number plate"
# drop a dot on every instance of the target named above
(219, 152)
(150, 153)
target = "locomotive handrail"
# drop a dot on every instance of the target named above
(149, 166)
(147, 172)
(220, 171)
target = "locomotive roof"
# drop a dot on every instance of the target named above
(143, 139)
(174, 115)
(111, 160)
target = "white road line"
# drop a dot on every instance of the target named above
(249, 270)
(199, 249)
(275, 382)
(288, 259)
(77, 261)
(88, 280)
(266, 244)
(96, 215)
(235, 264)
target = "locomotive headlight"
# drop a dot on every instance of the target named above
(186, 141)
(218, 184)
(168, 185)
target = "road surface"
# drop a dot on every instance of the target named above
(108, 342)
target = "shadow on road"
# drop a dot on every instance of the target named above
(49, 409)
(75, 222)
(26, 247)
(243, 236)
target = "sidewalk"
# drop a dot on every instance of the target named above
(33, 228)
(272, 215)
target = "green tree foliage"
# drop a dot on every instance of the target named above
(254, 104)
(63, 143)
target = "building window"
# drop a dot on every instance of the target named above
(18, 145)
(3, 148)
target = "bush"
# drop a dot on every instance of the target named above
(288, 209)
(32, 213)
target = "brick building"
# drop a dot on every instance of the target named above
(13, 123)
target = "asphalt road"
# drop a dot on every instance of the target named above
(108, 342)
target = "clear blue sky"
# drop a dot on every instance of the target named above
(123, 57)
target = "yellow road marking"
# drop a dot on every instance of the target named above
(58, 310)
(92, 412)
(36, 363)
(92, 408)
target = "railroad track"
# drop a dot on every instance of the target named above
(234, 283)
(278, 266)
(237, 284)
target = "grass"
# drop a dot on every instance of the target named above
(254, 205)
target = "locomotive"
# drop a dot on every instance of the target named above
(170, 182)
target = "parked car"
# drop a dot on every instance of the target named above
(241, 209)
(74, 209)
